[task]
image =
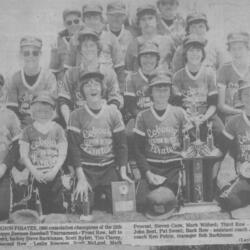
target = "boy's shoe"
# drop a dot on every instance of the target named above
(88, 217)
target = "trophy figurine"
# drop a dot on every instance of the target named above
(210, 138)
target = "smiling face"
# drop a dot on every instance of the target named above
(198, 28)
(116, 20)
(72, 23)
(42, 112)
(194, 55)
(89, 49)
(92, 90)
(30, 56)
(238, 51)
(161, 94)
(148, 23)
(148, 62)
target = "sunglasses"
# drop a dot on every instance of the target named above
(27, 53)
(75, 21)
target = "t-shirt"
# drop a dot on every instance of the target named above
(44, 146)
(228, 77)
(238, 129)
(124, 38)
(10, 130)
(195, 89)
(137, 86)
(166, 51)
(20, 93)
(162, 133)
(96, 133)
(70, 86)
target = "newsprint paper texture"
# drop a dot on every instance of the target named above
(198, 223)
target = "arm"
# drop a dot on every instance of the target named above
(121, 149)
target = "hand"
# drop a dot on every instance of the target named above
(82, 189)
(3, 169)
(190, 153)
(123, 173)
(40, 177)
(50, 176)
(155, 179)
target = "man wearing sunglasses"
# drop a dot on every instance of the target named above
(72, 24)
(30, 80)
(170, 22)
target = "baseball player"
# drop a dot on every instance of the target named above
(157, 139)
(147, 21)
(197, 24)
(97, 141)
(30, 80)
(170, 22)
(69, 94)
(237, 130)
(111, 53)
(10, 130)
(230, 73)
(195, 85)
(72, 24)
(43, 148)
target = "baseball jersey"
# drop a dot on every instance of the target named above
(124, 38)
(43, 146)
(215, 57)
(162, 133)
(58, 54)
(70, 86)
(238, 129)
(96, 133)
(228, 77)
(137, 86)
(10, 130)
(176, 31)
(195, 89)
(166, 51)
(111, 53)
(20, 94)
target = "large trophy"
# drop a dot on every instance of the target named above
(195, 150)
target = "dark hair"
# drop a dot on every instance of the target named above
(195, 22)
(152, 53)
(185, 50)
(90, 37)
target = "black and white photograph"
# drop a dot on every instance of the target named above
(126, 121)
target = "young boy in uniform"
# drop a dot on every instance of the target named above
(70, 97)
(97, 141)
(230, 73)
(72, 24)
(157, 139)
(237, 134)
(43, 148)
(10, 129)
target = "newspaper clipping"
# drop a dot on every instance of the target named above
(125, 124)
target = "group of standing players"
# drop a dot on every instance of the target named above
(117, 93)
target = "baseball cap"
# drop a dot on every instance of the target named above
(84, 77)
(167, 1)
(87, 32)
(238, 37)
(116, 7)
(71, 11)
(160, 78)
(31, 41)
(92, 8)
(196, 16)
(148, 47)
(147, 8)
(161, 203)
(44, 97)
(194, 40)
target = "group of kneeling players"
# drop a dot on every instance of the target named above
(117, 93)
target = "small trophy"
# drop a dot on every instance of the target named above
(210, 138)
(86, 214)
(186, 140)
